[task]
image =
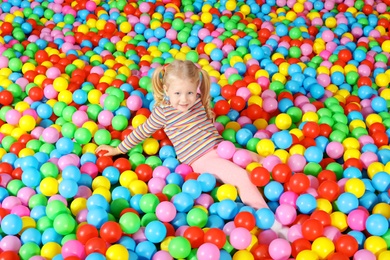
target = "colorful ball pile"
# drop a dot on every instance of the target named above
(305, 84)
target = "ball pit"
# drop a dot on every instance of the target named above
(305, 84)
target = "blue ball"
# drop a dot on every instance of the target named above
(273, 190)
(313, 154)
(377, 225)
(11, 224)
(215, 221)
(112, 174)
(97, 201)
(97, 217)
(65, 145)
(50, 235)
(95, 256)
(71, 172)
(179, 220)
(282, 139)
(243, 135)
(347, 202)
(145, 250)
(44, 111)
(155, 231)
(207, 182)
(193, 188)
(216, 54)
(183, 202)
(379, 104)
(227, 209)
(31, 177)
(68, 188)
(306, 203)
(167, 151)
(121, 192)
(31, 235)
(127, 242)
(381, 181)
(265, 218)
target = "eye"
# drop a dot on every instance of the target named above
(177, 93)
(190, 93)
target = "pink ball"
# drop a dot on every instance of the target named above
(10, 202)
(144, 7)
(105, 117)
(162, 255)
(161, 172)
(90, 6)
(364, 254)
(12, 117)
(204, 200)
(208, 251)
(335, 150)
(270, 162)
(228, 228)
(270, 105)
(166, 211)
(226, 150)
(134, 103)
(79, 118)
(279, 249)
(24, 194)
(49, 92)
(83, 192)
(240, 238)
(242, 158)
(21, 211)
(368, 158)
(323, 80)
(183, 169)
(295, 232)
(244, 93)
(156, 185)
(286, 214)
(288, 197)
(50, 135)
(10, 243)
(296, 162)
(357, 219)
(332, 233)
(73, 248)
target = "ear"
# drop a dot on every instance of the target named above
(165, 88)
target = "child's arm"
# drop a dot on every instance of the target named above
(155, 122)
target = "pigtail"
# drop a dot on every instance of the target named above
(158, 86)
(204, 88)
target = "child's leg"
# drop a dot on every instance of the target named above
(230, 173)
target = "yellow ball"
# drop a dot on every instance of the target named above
(283, 121)
(150, 146)
(101, 181)
(28, 222)
(375, 245)
(382, 80)
(27, 123)
(49, 186)
(138, 120)
(231, 5)
(307, 255)
(65, 96)
(383, 209)
(323, 247)
(374, 168)
(127, 177)
(384, 255)
(324, 205)
(209, 47)
(125, 27)
(77, 205)
(254, 88)
(243, 254)
(206, 18)
(265, 147)
(26, 152)
(138, 187)
(356, 187)
(117, 252)
(227, 191)
(385, 94)
(104, 192)
(60, 84)
(94, 96)
(233, 125)
(339, 220)
(310, 116)
(50, 250)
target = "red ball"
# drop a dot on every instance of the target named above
(260, 176)
(312, 229)
(254, 112)
(237, 103)
(260, 252)
(35, 93)
(86, 232)
(6, 98)
(281, 173)
(111, 232)
(122, 164)
(322, 216)
(103, 162)
(9, 255)
(144, 172)
(195, 236)
(338, 256)
(221, 107)
(329, 190)
(215, 236)
(299, 183)
(311, 129)
(6, 168)
(347, 245)
(245, 219)
(299, 245)
(96, 245)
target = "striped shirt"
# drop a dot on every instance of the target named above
(191, 132)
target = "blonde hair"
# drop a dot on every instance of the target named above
(184, 70)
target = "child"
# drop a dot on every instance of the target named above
(187, 119)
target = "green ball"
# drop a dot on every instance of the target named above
(68, 112)
(145, 82)
(118, 205)
(112, 103)
(102, 136)
(7, 142)
(37, 200)
(116, 92)
(295, 113)
(229, 135)
(28, 250)
(69, 19)
(130, 223)
(147, 218)
(295, 52)
(44, 223)
(352, 77)
(47, 148)
(136, 159)
(336, 168)
(77, 150)
(14, 186)
(55, 208)
(148, 203)
(233, 78)
(312, 169)
(49, 169)
(171, 190)
(68, 130)
(192, 56)
(64, 224)
(119, 122)
(15, 89)
(252, 143)
(276, 86)
(295, 33)
(179, 247)
(20, 36)
(153, 161)
(197, 217)
(93, 111)
(59, 107)
(223, 120)
(178, 24)
(183, 36)
(34, 145)
(82, 136)
(337, 136)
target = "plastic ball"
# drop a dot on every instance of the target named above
(279, 249)
(240, 238)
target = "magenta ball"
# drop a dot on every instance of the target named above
(357, 219)
(226, 150)
(242, 158)
(240, 238)
(208, 251)
(267, 236)
(183, 169)
(166, 211)
(286, 214)
(279, 249)
(134, 103)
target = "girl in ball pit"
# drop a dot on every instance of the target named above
(182, 109)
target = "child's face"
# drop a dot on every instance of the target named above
(181, 93)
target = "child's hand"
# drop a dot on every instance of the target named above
(110, 151)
